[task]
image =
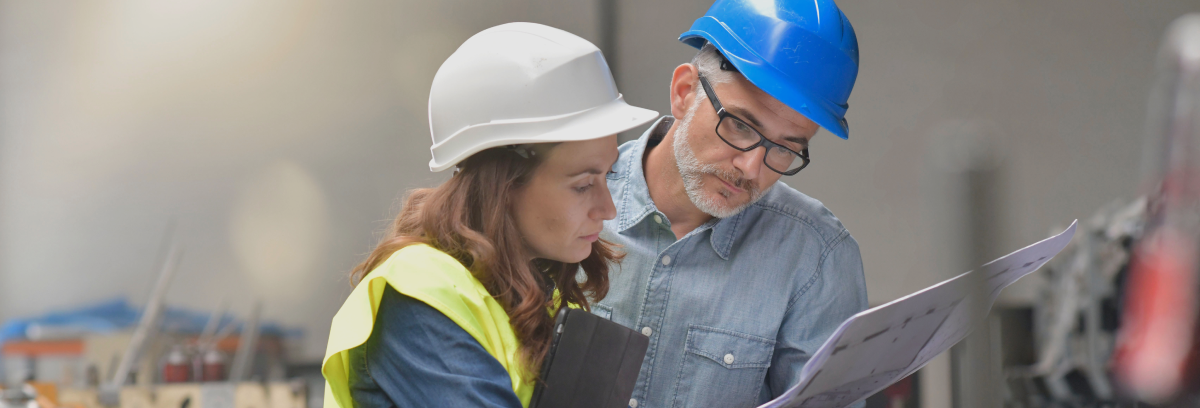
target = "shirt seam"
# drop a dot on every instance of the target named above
(820, 269)
(801, 219)
(700, 327)
(626, 179)
(726, 244)
(366, 364)
(679, 372)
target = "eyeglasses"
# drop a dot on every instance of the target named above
(741, 136)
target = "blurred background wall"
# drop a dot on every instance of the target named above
(278, 136)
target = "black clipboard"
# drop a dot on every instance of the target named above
(592, 363)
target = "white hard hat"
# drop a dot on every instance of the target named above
(523, 83)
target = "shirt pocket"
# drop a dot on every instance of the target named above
(722, 368)
(605, 312)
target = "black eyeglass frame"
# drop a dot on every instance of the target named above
(722, 114)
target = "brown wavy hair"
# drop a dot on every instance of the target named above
(470, 218)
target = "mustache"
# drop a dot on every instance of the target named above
(733, 177)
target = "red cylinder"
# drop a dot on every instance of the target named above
(214, 366)
(177, 368)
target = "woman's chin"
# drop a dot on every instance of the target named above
(573, 256)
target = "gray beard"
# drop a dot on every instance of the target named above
(692, 172)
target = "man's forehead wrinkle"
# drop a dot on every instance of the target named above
(797, 119)
(776, 107)
(807, 127)
(741, 111)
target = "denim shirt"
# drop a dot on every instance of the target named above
(736, 307)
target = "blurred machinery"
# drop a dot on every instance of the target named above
(1117, 323)
(60, 360)
(1155, 360)
(1075, 320)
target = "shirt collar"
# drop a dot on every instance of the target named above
(635, 204)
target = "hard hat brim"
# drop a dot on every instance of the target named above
(764, 76)
(604, 120)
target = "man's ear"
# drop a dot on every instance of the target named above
(684, 81)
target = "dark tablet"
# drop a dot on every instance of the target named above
(593, 363)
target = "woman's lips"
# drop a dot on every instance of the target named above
(591, 238)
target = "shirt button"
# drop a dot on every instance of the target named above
(729, 359)
(633, 403)
(666, 260)
(657, 219)
(647, 331)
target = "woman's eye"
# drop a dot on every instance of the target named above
(584, 188)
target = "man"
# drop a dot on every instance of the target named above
(736, 278)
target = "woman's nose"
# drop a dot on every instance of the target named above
(604, 208)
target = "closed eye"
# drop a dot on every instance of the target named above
(795, 144)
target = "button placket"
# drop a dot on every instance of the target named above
(655, 307)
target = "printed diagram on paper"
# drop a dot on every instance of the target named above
(880, 346)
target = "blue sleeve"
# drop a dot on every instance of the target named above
(418, 357)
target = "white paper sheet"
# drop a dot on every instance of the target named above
(882, 345)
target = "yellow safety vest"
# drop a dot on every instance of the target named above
(431, 276)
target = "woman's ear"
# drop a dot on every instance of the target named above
(684, 81)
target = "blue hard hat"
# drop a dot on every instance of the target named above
(803, 53)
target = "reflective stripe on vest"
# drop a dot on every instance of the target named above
(431, 276)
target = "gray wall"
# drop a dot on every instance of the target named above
(278, 135)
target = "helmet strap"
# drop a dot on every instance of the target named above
(727, 66)
(522, 151)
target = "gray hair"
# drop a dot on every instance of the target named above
(708, 62)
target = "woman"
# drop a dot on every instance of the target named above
(455, 306)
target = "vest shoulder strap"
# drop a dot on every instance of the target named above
(437, 279)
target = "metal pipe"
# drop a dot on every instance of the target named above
(146, 328)
(247, 345)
